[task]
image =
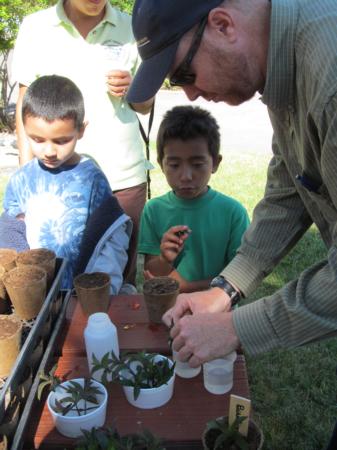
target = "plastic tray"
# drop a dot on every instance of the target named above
(32, 350)
(18, 440)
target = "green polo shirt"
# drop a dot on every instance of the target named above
(48, 43)
(301, 95)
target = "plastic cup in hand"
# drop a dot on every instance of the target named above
(183, 369)
(114, 57)
(218, 374)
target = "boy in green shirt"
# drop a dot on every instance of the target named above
(182, 231)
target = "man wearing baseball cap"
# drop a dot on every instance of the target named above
(227, 51)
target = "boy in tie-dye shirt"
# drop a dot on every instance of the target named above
(59, 189)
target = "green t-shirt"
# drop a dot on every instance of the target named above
(217, 223)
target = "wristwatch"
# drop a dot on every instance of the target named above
(223, 284)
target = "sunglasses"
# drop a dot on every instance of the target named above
(183, 75)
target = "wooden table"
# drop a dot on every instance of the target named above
(179, 423)
(128, 313)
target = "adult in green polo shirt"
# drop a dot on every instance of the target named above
(285, 50)
(91, 43)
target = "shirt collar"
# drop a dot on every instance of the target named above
(279, 88)
(61, 17)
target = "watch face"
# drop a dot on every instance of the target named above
(214, 283)
(220, 282)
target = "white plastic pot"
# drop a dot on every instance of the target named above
(72, 424)
(150, 398)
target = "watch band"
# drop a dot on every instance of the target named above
(223, 284)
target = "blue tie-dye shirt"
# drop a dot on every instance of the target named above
(56, 204)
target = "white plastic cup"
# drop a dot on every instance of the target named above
(100, 336)
(218, 374)
(114, 57)
(72, 425)
(183, 369)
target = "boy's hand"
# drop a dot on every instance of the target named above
(183, 284)
(148, 275)
(118, 82)
(172, 242)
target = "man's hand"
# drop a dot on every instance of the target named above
(118, 82)
(172, 242)
(199, 338)
(211, 301)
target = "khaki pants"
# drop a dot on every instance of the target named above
(132, 200)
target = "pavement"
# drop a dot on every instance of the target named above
(9, 160)
(245, 128)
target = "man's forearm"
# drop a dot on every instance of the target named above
(301, 312)
(143, 108)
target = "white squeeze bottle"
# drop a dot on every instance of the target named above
(100, 336)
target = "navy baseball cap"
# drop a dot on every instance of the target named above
(158, 26)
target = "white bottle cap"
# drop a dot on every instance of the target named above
(99, 322)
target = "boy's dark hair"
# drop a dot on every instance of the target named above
(188, 122)
(53, 97)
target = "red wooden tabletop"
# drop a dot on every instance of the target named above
(128, 313)
(179, 423)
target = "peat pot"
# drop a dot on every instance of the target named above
(255, 437)
(26, 287)
(42, 257)
(7, 258)
(93, 291)
(10, 341)
(160, 294)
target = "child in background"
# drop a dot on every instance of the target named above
(58, 192)
(182, 231)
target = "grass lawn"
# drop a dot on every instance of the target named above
(293, 392)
